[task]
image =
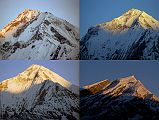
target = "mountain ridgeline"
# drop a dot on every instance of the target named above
(38, 94)
(36, 35)
(132, 36)
(122, 99)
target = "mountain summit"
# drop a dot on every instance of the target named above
(124, 98)
(37, 74)
(24, 18)
(39, 35)
(132, 36)
(123, 86)
(38, 93)
(130, 19)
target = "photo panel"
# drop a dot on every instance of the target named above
(119, 30)
(39, 90)
(119, 90)
(39, 30)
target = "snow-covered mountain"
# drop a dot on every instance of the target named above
(122, 99)
(39, 35)
(38, 94)
(132, 36)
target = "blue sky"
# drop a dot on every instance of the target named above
(66, 9)
(145, 71)
(67, 69)
(93, 12)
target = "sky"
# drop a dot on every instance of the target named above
(67, 69)
(66, 9)
(145, 71)
(93, 12)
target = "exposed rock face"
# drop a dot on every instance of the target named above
(38, 94)
(39, 35)
(125, 98)
(95, 88)
(132, 36)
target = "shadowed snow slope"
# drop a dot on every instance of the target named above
(39, 35)
(38, 93)
(125, 98)
(134, 35)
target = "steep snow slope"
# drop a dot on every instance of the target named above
(134, 35)
(39, 35)
(125, 98)
(38, 93)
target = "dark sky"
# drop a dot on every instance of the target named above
(67, 69)
(66, 9)
(93, 12)
(145, 71)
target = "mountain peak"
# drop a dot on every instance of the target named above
(123, 86)
(131, 18)
(35, 35)
(34, 90)
(129, 86)
(35, 66)
(128, 79)
(36, 70)
(35, 75)
(123, 96)
(29, 10)
(134, 11)
(21, 20)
